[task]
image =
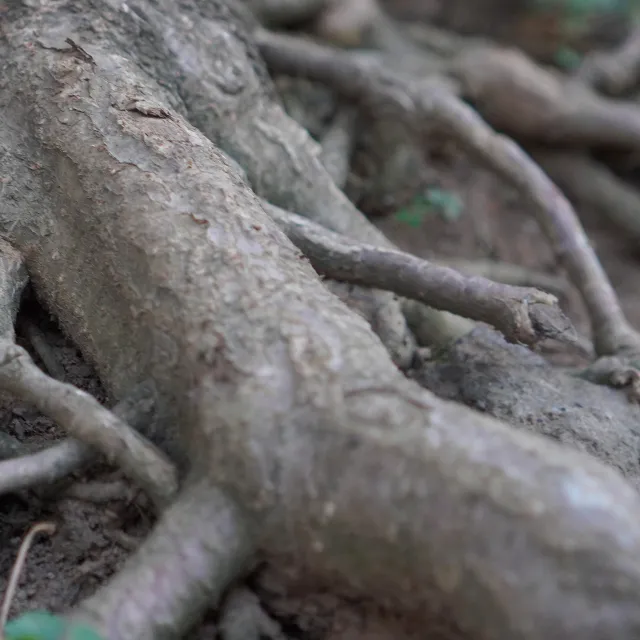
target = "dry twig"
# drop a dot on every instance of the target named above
(12, 585)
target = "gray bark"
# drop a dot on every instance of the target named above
(147, 242)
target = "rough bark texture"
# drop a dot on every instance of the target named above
(147, 242)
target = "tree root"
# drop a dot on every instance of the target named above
(40, 345)
(590, 184)
(280, 160)
(243, 618)
(82, 416)
(199, 546)
(618, 372)
(426, 106)
(541, 106)
(97, 492)
(161, 263)
(512, 274)
(45, 468)
(614, 72)
(365, 24)
(73, 409)
(337, 146)
(514, 311)
(282, 13)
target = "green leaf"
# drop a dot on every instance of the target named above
(447, 203)
(567, 58)
(433, 200)
(414, 214)
(42, 625)
(36, 625)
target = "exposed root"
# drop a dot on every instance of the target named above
(242, 618)
(514, 311)
(86, 419)
(197, 549)
(13, 280)
(73, 409)
(619, 372)
(44, 468)
(509, 274)
(363, 23)
(337, 146)
(40, 345)
(511, 383)
(530, 103)
(591, 184)
(352, 475)
(427, 106)
(280, 160)
(614, 72)
(441, 42)
(97, 492)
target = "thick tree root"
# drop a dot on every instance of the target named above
(162, 263)
(281, 161)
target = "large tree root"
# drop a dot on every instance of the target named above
(238, 112)
(161, 263)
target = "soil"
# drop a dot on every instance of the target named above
(94, 539)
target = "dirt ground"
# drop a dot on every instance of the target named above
(94, 538)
